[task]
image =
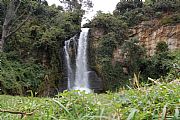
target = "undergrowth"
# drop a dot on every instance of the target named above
(146, 103)
(16, 77)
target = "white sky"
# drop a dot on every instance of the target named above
(103, 5)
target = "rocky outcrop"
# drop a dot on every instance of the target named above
(151, 32)
(95, 35)
(95, 81)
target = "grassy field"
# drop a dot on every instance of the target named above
(158, 102)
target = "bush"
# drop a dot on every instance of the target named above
(161, 47)
(16, 78)
(174, 72)
(135, 17)
(125, 6)
(173, 19)
(163, 6)
(109, 23)
(134, 55)
(157, 66)
(112, 74)
(166, 5)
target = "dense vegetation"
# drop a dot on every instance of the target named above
(141, 87)
(129, 13)
(32, 57)
(155, 102)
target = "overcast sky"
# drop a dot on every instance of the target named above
(103, 5)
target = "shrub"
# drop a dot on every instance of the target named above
(157, 66)
(16, 78)
(174, 72)
(173, 19)
(124, 6)
(109, 23)
(134, 55)
(161, 47)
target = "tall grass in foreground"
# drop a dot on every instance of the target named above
(158, 102)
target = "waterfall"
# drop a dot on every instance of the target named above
(69, 69)
(78, 75)
(81, 79)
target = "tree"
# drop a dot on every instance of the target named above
(128, 5)
(12, 16)
(72, 5)
(134, 54)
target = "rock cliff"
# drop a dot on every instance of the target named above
(151, 32)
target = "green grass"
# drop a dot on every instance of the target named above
(148, 103)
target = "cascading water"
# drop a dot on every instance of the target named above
(78, 76)
(81, 79)
(68, 60)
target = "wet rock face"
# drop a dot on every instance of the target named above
(150, 33)
(95, 82)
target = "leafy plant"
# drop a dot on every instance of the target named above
(155, 102)
(16, 78)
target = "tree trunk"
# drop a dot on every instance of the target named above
(8, 22)
(8, 18)
(2, 42)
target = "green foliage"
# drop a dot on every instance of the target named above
(134, 55)
(113, 75)
(163, 64)
(170, 20)
(36, 48)
(1, 13)
(109, 23)
(166, 5)
(73, 5)
(161, 47)
(115, 32)
(133, 14)
(108, 44)
(113, 28)
(158, 65)
(104, 57)
(163, 5)
(154, 102)
(134, 17)
(16, 78)
(126, 5)
(174, 72)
